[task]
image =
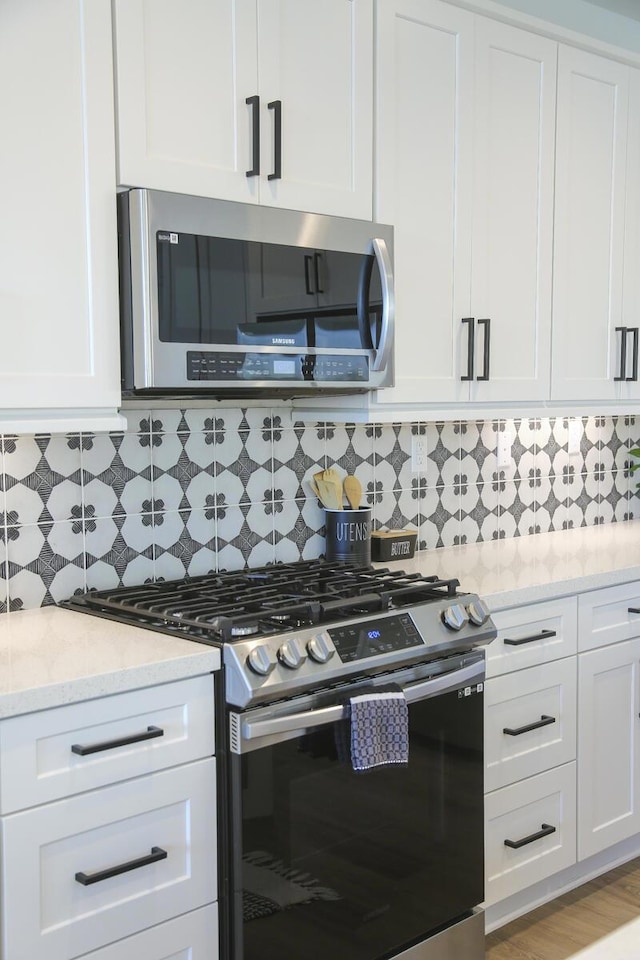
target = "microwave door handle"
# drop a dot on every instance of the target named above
(385, 343)
(308, 719)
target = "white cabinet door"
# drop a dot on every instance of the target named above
(88, 870)
(424, 173)
(193, 936)
(630, 387)
(608, 767)
(530, 831)
(589, 225)
(464, 170)
(316, 59)
(514, 151)
(58, 243)
(185, 72)
(530, 722)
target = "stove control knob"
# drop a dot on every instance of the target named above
(320, 649)
(261, 660)
(455, 617)
(291, 654)
(478, 612)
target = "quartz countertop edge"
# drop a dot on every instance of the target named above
(52, 656)
(544, 566)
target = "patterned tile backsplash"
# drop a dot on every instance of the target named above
(185, 492)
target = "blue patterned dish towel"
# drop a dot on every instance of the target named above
(379, 729)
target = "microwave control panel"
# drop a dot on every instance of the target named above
(240, 366)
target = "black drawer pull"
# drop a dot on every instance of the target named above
(516, 731)
(157, 853)
(149, 734)
(470, 348)
(544, 832)
(623, 353)
(276, 106)
(254, 103)
(543, 635)
(633, 610)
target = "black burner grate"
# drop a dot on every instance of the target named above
(222, 607)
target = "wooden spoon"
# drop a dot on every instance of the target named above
(352, 491)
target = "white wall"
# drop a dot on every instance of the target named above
(587, 16)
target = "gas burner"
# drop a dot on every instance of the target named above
(248, 630)
(229, 606)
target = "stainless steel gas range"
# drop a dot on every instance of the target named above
(318, 859)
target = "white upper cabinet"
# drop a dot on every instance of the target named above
(512, 233)
(266, 102)
(464, 170)
(423, 182)
(630, 386)
(59, 364)
(593, 95)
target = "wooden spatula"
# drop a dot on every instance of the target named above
(352, 491)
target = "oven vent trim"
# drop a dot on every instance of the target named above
(234, 733)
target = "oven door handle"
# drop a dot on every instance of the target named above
(422, 690)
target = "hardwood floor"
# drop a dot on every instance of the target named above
(558, 930)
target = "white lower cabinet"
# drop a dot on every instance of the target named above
(608, 761)
(530, 746)
(186, 938)
(530, 721)
(108, 836)
(530, 831)
(545, 812)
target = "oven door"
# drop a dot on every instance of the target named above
(330, 864)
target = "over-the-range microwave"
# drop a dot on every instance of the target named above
(232, 299)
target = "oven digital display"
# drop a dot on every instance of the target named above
(358, 641)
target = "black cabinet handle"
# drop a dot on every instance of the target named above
(317, 263)
(486, 348)
(149, 734)
(634, 356)
(623, 352)
(254, 103)
(157, 853)
(633, 610)
(543, 635)
(276, 106)
(470, 347)
(307, 274)
(516, 731)
(544, 832)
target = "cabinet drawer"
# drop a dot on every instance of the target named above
(194, 936)
(607, 616)
(533, 634)
(530, 722)
(43, 756)
(523, 814)
(47, 853)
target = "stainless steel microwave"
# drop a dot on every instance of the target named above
(232, 299)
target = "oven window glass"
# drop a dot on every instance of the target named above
(330, 864)
(217, 291)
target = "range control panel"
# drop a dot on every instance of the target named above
(240, 366)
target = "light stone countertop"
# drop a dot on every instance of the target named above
(509, 573)
(52, 656)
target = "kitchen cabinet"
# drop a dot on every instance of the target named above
(589, 240)
(608, 711)
(465, 151)
(59, 365)
(530, 746)
(108, 827)
(264, 102)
